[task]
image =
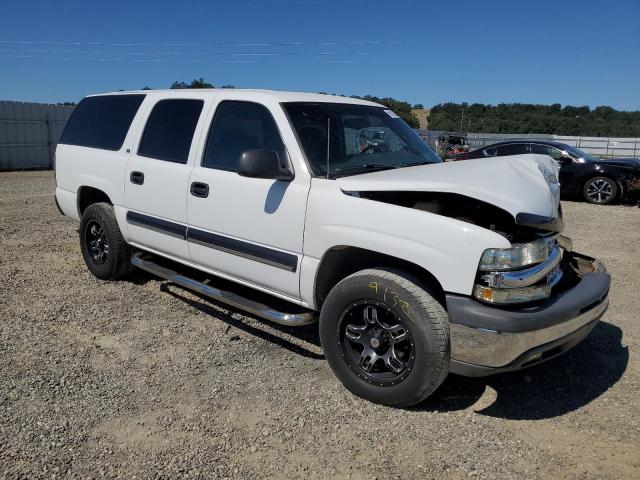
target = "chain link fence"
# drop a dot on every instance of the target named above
(598, 146)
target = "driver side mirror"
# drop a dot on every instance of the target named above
(261, 163)
(565, 160)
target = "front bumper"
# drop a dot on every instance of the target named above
(486, 339)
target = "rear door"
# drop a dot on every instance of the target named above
(156, 181)
(250, 229)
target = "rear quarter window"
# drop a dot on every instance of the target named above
(102, 121)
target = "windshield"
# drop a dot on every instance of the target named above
(577, 153)
(361, 139)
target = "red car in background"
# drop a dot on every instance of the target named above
(448, 146)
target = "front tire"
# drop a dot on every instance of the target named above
(600, 190)
(104, 250)
(385, 337)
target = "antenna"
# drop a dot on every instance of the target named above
(328, 140)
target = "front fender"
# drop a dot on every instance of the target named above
(449, 249)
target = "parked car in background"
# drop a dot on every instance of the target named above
(448, 146)
(597, 180)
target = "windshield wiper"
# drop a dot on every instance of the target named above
(414, 164)
(367, 167)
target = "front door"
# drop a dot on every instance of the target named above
(250, 229)
(157, 177)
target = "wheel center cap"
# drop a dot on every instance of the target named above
(374, 342)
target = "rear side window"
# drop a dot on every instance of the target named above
(102, 121)
(511, 149)
(546, 150)
(169, 130)
(239, 126)
(490, 152)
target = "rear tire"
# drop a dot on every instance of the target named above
(385, 337)
(104, 250)
(600, 190)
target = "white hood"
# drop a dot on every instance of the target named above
(515, 183)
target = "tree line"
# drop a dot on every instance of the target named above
(403, 109)
(196, 83)
(600, 121)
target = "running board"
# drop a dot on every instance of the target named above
(250, 306)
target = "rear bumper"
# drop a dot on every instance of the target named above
(633, 187)
(487, 340)
(55, 199)
(66, 202)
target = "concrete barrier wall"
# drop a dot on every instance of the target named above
(29, 133)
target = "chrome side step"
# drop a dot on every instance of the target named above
(250, 306)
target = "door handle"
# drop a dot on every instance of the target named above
(199, 189)
(137, 178)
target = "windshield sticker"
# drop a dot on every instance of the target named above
(391, 114)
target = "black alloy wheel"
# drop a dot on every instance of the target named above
(375, 343)
(385, 336)
(600, 190)
(97, 242)
(104, 250)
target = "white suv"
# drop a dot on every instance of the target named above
(417, 268)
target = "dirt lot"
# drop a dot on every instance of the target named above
(140, 379)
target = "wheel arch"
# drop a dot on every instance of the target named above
(88, 195)
(612, 175)
(340, 261)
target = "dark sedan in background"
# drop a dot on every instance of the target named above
(596, 180)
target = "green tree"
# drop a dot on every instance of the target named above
(402, 109)
(195, 83)
(530, 118)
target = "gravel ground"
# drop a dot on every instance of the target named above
(139, 379)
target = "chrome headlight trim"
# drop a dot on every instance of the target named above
(525, 277)
(507, 296)
(518, 255)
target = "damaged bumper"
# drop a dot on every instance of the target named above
(633, 187)
(486, 339)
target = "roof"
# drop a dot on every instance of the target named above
(248, 94)
(542, 141)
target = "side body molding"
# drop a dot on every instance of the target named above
(241, 248)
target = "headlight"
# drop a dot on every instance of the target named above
(523, 273)
(518, 256)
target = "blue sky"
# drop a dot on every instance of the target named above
(565, 51)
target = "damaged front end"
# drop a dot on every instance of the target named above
(528, 271)
(535, 271)
(523, 227)
(516, 197)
